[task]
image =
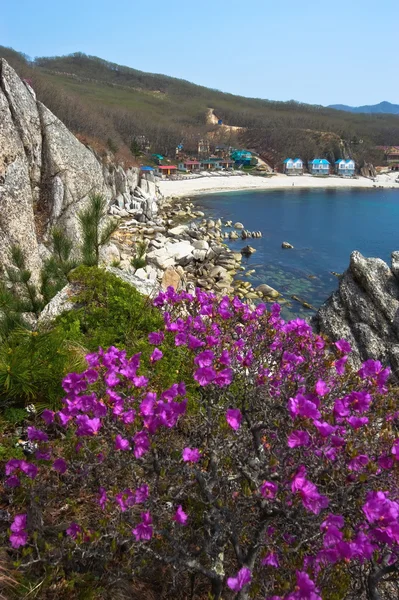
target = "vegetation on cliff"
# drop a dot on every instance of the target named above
(104, 102)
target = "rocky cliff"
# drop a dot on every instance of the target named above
(365, 310)
(47, 175)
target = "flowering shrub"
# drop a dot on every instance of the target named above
(280, 481)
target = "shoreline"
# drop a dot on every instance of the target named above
(235, 183)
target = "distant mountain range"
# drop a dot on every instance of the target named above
(385, 108)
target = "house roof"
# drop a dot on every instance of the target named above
(343, 160)
(319, 161)
(167, 167)
(191, 162)
(287, 160)
(147, 168)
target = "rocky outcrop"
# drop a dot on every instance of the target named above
(365, 310)
(47, 175)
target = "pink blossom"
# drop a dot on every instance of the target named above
(73, 530)
(298, 438)
(268, 489)
(343, 346)
(242, 578)
(141, 443)
(234, 418)
(321, 388)
(121, 443)
(180, 516)
(60, 465)
(156, 355)
(204, 375)
(271, 560)
(141, 494)
(191, 455)
(48, 416)
(144, 531)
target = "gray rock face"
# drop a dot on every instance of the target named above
(144, 286)
(365, 310)
(47, 175)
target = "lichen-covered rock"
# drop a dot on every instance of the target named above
(47, 176)
(17, 223)
(365, 310)
(146, 287)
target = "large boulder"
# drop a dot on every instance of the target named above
(365, 310)
(17, 220)
(47, 176)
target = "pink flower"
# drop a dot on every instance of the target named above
(141, 494)
(340, 365)
(204, 375)
(191, 455)
(12, 482)
(102, 499)
(224, 377)
(37, 435)
(321, 388)
(73, 530)
(86, 426)
(121, 443)
(395, 449)
(18, 539)
(268, 489)
(234, 418)
(204, 359)
(357, 422)
(60, 465)
(271, 560)
(298, 438)
(156, 355)
(180, 516)
(48, 416)
(18, 523)
(141, 443)
(242, 578)
(143, 532)
(343, 346)
(156, 337)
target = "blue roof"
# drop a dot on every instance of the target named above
(296, 159)
(346, 161)
(319, 161)
(287, 160)
(147, 168)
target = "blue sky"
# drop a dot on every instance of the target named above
(318, 52)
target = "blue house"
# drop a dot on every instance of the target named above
(345, 168)
(319, 166)
(241, 158)
(293, 166)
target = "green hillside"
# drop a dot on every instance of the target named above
(108, 103)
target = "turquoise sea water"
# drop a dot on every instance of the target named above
(324, 226)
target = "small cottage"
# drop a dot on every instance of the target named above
(241, 158)
(226, 164)
(189, 165)
(293, 166)
(319, 167)
(345, 168)
(210, 164)
(166, 170)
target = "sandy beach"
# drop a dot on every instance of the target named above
(224, 183)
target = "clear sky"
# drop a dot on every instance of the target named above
(320, 52)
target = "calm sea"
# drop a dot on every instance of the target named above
(324, 227)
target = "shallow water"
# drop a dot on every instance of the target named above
(324, 226)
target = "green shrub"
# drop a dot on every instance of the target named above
(32, 365)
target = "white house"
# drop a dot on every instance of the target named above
(345, 168)
(293, 166)
(319, 166)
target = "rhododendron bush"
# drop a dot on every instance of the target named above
(277, 478)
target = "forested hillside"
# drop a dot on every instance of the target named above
(111, 105)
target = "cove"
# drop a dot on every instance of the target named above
(324, 226)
